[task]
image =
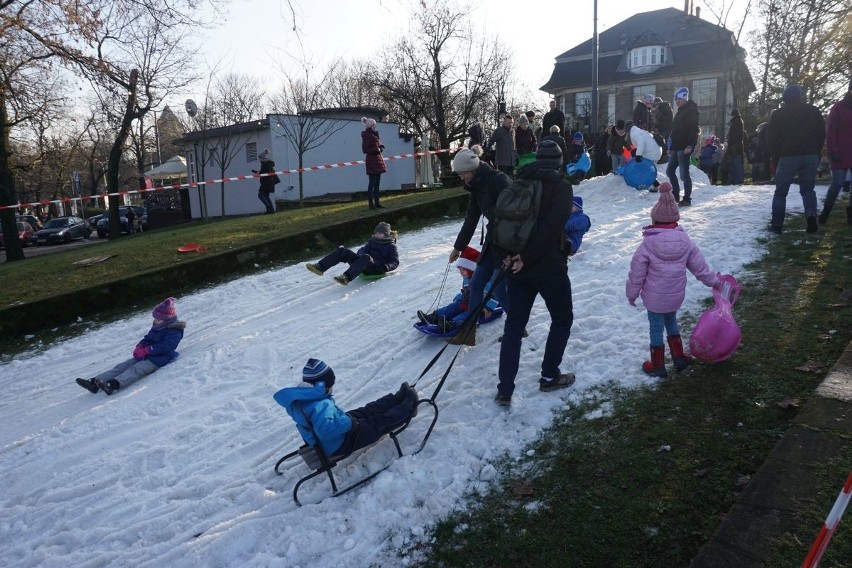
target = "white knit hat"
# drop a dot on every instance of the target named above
(368, 122)
(465, 160)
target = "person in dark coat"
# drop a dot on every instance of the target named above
(555, 136)
(839, 146)
(642, 113)
(476, 136)
(340, 433)
(267, 183)
(372, 146)
(553, 117)
(378, 256)
(603, 164)
(525, 141)
(484, 185)
(663, 116)
(615, 145)
(795, 134)
(684, 139)
(157, 349)
(758, 154)
(540, 269)
(735, 149)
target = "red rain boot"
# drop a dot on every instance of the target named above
(657, 365)
(680, 358)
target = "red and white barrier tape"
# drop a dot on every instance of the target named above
(223, 180)
(821, 543)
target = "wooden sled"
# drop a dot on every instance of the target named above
(432, 329)
(320, 463)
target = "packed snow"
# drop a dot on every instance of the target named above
(177, 470)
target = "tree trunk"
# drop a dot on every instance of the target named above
(115, 156)
(14, 250)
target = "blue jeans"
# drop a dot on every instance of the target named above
(373, 188)
(788, 167)
(483, 274)
(838, 178)
(679, 160)
(659, 321)
(736, 174)
(267, 202)
(358, 263)
(555, 289)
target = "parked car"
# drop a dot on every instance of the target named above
(34, 221)
(141, 220)
(63, 230)
(93, 221)
(26, 235)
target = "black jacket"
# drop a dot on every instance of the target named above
(685, 127)
(795, 129)
(664, 116)
(553, 117)
(547, 251)
(642, 116)
(484, 189)
(267, 183)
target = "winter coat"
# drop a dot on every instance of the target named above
(736, 137)
(525, 141)
(658, 268)
(553, 117)
(546, 251)
(267, 183)
(645, 144)
(476, 135)
(504, 141)
(615, 145)
(685, 127)
(574, 153)
(383, 253)
(642, 116)
(460, 301)
(577, 225)
(372, 146)
(330, 422)
(486, 185)
(163, 341)
(708, 155)
(663, 117)
(559, 141)
(839, 133)
(795, 129)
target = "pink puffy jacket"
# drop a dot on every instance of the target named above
(658, 268)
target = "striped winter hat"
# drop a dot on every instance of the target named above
(316, 371)
(166, 310)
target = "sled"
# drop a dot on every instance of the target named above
(639, 175)
(320, 463)
(363, 276)
(583, 164)
(716, 335)
(432, 329)
(192, 247)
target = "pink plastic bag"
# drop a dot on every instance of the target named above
(716, 335)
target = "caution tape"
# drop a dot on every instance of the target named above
(829, 526)
(222, 180)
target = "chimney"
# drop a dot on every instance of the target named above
(686, 7)
(698, 11)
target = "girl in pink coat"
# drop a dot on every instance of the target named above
(658, 275)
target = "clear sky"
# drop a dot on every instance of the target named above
(255, 35)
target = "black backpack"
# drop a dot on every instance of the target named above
(515, 214)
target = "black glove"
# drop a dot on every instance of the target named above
(638, 158)
(834, 157)
(633, 152)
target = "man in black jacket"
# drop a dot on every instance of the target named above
(541, 268)
(684, 138)
(795, 134)
(484, 185)
(553, 117)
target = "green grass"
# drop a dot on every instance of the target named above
(54, 274)
(601, 487)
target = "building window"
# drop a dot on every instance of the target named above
(704, 92)
(646, 56)
(583, 104)
(642, 90)
(190, 163)
(251, 152)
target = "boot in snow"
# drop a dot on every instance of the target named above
(88, 384)
(657, 365)
(680, 358)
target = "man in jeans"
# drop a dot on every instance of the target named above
(795, 134)
(683, 140)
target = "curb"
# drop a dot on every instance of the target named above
(783, 487)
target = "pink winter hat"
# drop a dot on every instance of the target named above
(665, 210)
(166, 310)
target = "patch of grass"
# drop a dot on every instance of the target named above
(634, 478)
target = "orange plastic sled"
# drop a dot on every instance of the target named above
(192, 247)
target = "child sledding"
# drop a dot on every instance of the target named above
(377, 257)
(446, 320)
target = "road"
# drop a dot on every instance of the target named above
(33, 250)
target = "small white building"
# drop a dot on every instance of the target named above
(329, 136)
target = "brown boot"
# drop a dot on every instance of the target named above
(465, 336)
(680, 358)
(657, 365)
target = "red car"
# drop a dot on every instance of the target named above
(25, 234)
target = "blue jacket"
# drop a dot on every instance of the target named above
(577, 225)
(163, 342)
(383, 253)
(329, 421)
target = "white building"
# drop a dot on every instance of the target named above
(332, 136)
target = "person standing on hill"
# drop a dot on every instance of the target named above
(735, 149)
(267, 183)
(525, 140)
(553, 117)
(503, 140)
(663, 116)
(684, 139)
(795, 134)
(642, 113)
(615, 144)
(839, 143)
(372, 146)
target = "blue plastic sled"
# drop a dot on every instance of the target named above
(432, 329)
(639, 175)
(583, 164)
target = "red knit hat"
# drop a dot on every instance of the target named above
(468, 258)
(665, 210)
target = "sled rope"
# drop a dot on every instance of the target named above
(437, 299)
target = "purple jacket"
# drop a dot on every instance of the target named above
(658, 268)
(839, 133)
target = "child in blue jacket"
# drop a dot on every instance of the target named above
(576, 226)
(340, 433)
(453, 314)
(378, 256)
(157, 349)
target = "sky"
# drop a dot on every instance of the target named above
(256, 34)
(177, 469)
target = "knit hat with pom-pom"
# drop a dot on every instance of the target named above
(665, 210)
